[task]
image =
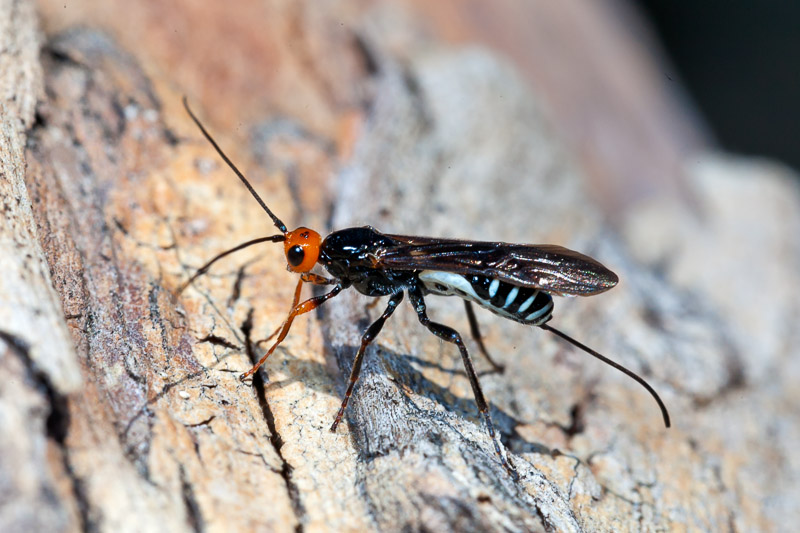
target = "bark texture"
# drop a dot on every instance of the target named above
(120, 399)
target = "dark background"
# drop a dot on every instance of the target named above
(740, 61)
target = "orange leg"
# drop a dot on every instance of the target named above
(316, 279)
(304, 278)
(305, 307)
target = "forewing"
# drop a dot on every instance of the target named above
(547, 267)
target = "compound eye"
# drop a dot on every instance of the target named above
(302, 249)
(295, 255)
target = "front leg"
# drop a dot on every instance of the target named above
(306, 277)
(450, 335)
(299, 309)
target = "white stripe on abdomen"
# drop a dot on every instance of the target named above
(450, 284)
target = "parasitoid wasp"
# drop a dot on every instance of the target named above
(514, 281)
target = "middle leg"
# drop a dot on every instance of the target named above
(368, 337)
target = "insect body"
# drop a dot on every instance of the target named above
(511, 280)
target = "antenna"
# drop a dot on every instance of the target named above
(618, 366)
(278, 223)
(203, 269)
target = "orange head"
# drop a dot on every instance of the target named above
(302, 249)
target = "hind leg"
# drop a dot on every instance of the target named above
(450, 335)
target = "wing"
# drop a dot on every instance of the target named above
(541, 266)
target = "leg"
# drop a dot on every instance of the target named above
(305, 307)
(304, 278)
(316, 279)
(476, 334)
(368, 337)
(450, 335)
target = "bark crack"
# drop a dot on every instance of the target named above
(193, 513)
(57, 426)
(269, 417)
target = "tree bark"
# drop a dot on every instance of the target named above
(121, 395)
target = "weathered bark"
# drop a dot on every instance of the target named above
(38, 366)
(121, 396)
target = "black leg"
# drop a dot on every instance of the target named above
(367, 338)
(476, 334)
(450, 335)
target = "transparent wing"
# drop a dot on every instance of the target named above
(547, 267)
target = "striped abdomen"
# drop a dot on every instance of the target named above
(526, 305)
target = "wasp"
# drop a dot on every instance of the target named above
(514, 281)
